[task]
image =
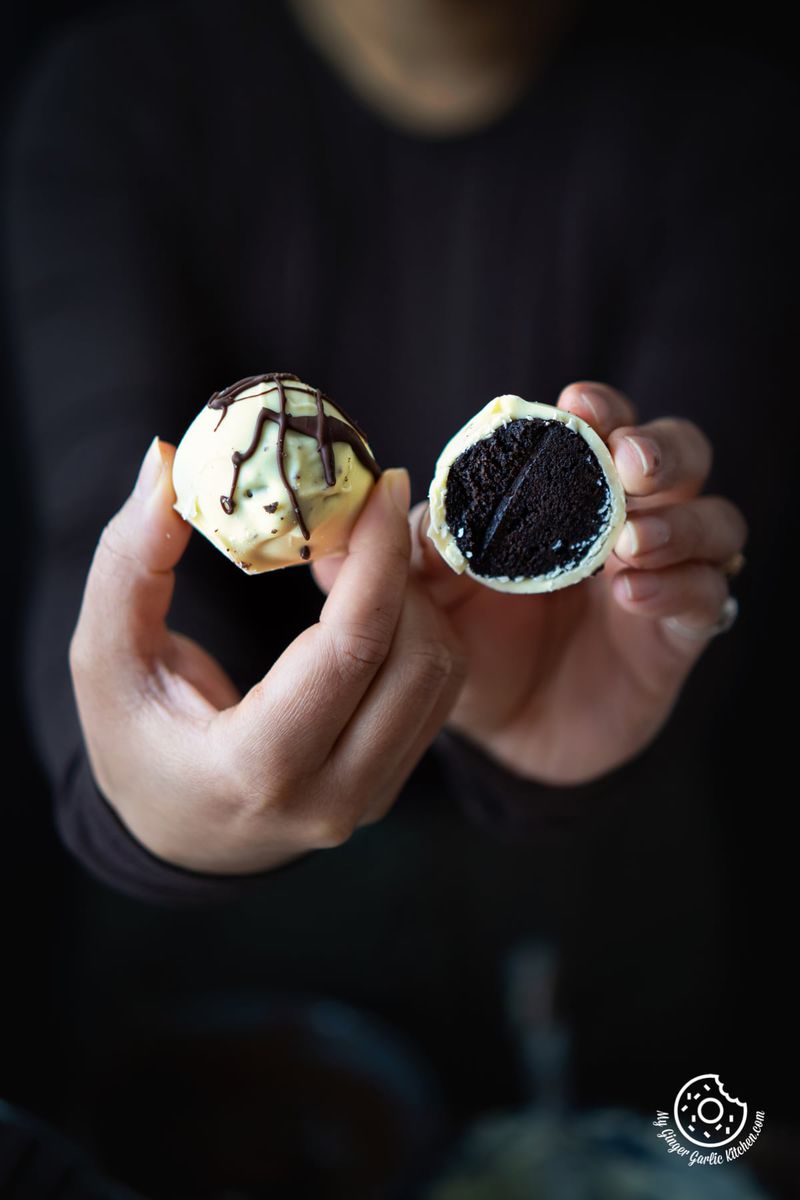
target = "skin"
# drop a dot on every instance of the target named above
(215, 781)
(212, 780)
(436, 67)
(603, 661)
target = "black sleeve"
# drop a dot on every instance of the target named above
(112, 346)
(710, 252)
(510, 806)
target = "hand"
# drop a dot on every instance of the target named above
(213, 781)
(564, 686)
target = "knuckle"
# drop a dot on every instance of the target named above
(460, 665)
(263, 789)
(256, 792)
(712, 584)
(698, 441)
(243, 793)
(233, 763)
(432, 663)
(359, 651)
(694, 531)
(113, 550)
(329, 830)
(737, 522)
(618, 401)
(111, 539)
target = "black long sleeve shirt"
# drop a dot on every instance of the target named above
(197, 196)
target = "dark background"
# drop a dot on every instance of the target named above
(80, 962)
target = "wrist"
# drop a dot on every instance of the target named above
(92, 830)
(188, 834)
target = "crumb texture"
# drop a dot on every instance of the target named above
(529, 500)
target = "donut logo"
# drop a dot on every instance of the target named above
(706, 1115)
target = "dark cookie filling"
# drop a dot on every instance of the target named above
(529, 499)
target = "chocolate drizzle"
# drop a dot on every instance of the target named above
(323, 428)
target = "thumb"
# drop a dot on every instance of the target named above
(130, 582)
(325, 570)
(447, 588)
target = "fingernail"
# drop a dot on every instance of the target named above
(641, 587)
(150, 470)
(642, 535)
(647, 452)
(398, 487)
(592, 402)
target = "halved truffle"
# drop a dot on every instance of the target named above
(525, 498)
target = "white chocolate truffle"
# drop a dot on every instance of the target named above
(525, 498)
(263, 504)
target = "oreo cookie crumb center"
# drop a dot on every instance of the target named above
(529, 499)
(525, 498)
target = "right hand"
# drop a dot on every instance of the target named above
(213, 781)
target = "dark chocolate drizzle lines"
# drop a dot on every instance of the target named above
(324, 429)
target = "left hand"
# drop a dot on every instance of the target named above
(567, 685)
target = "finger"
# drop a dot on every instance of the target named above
(406, 704)
(130, 583)
(670, 456)
(694, 593)
(325, 570)
(709, 528)
(601, 406)
(293, 716)
(446, 587)
(441, 710)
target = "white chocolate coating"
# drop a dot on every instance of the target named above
(496, 413)
(257, 540)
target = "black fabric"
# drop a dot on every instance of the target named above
(91, 828)
(195, 196)
(37, 1163)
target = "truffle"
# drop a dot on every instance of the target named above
(525, 498)
(273, 473)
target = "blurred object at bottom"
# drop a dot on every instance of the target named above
(542, 1040)
(548, 1151)
(606, 1155)
(239, 1098)
(38, 1163)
